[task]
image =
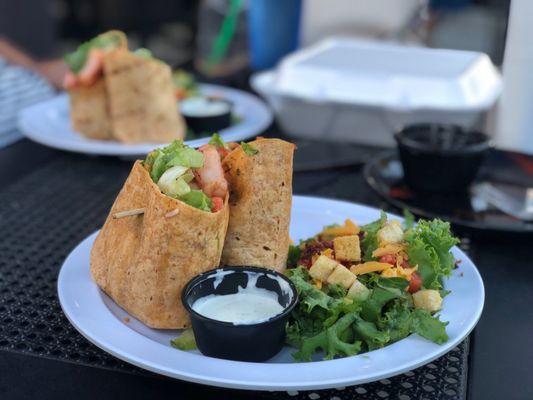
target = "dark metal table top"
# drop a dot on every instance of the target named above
(500, 353)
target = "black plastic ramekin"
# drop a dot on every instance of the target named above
(209, 123)
(243, 342)
(440, 158)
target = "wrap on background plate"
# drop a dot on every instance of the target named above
(163, 230)
(89, 108)
(120, 95)
(141, 99)
(89, 111)
(260, 177)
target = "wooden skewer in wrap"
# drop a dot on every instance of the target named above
(172, 213)
(129, 213)
(139, 211)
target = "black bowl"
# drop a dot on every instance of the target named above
(199, 123)
(250, 342)
(440, 158)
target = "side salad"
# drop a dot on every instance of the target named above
(362, 288)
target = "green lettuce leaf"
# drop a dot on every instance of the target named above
(248, 149)
(400, 320)
(77, 59)
(409, 219)
(294, 255)
(186, 81)
(186, 157)
(370, 239)
(309, 294)
(159, 164)
(175, 154)
(335, 290)
(427, 260)
(197, 199)
(396, 283)
(340, 307)
(143, 53)
(429, 244)
(308, 323)
(329, 341)
(216, 140)
(429, 326)
(185, 341)
(370, 334)
(397, 320)
(379, 297)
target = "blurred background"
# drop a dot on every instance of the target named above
(226, 41)
(178, 31)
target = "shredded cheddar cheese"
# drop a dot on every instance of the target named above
(328, 253)
(398, 272)
(370, 266)
(348, 229)
(391, 248)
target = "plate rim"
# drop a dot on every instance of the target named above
(28, 126)
(272, 384)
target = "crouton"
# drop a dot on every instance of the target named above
(322, 268)
(341, 276)
(392, 232)
(347, 248)
(428, 299)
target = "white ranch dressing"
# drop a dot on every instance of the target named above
(219, 277)
(204, 107)
(250, 305)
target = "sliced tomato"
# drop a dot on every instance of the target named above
(415, 283)
(218, 203)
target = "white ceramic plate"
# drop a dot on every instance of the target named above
(105, 324)
(48, 123)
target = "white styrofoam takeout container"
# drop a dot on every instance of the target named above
(362, 91)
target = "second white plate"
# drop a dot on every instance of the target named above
(48, 123)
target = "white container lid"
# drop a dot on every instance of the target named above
(344, 70)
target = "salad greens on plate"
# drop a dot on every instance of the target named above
(361, 289)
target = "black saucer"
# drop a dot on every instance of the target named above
(385, 175)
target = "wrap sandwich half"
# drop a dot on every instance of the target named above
(166, 226)
(121, 95)
(89, 108)
(260, 177)
(142, 100)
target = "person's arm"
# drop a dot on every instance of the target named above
(52, 70)
(14, 55)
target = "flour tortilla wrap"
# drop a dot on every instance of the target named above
(89, 108)
(260, 205)
(89, 111)
(143, 261)
(141, 99)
